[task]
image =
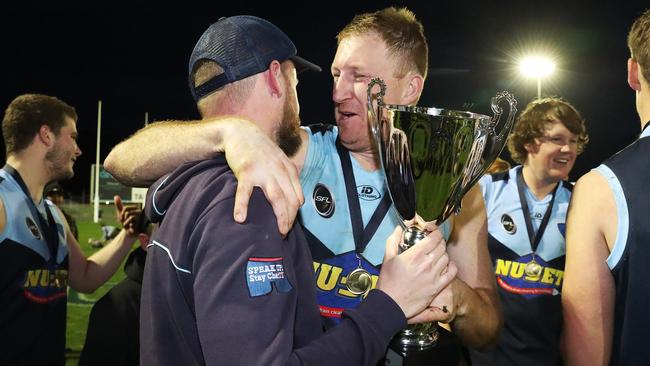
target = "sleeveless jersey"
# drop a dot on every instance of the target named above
(532, 306)
(325, 218)
(627, 173)
(33, 284)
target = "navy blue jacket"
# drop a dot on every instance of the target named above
(219, 292)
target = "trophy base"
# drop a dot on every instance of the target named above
(446, 350)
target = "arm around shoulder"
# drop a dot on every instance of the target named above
(159, 148)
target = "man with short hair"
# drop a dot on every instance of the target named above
(605, 297)
(40, 255)
(219, 292)
(527, 208)
(390, 44)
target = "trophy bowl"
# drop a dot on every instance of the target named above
(431, 158)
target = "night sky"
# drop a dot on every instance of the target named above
(134, 58)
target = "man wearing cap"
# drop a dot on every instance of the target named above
(219, 292)
(389, 43)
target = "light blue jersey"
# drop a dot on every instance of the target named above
(33, 282)
(502, 202)
(325, 217)
(21, 227)
(530, 300)
(623, 223)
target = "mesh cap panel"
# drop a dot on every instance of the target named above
(243, 46)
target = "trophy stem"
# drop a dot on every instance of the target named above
(417, 337)
(412, 235)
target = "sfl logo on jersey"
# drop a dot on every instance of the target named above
(508, 224)
(31, 225)
(368, 193)
(323, 201)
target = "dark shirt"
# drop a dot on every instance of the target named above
(72, 223)
(112, 337)
(631, 272)
(219, 292)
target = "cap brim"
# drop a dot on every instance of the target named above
(303, 65)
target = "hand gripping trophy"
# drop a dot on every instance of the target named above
(431, 157)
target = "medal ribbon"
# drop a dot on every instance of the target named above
(47, 228)
(534, 238)
(362, 236)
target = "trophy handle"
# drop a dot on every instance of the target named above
(382, 138)
(506, 127)
(392, 148)
(374, 114)
(493, 135)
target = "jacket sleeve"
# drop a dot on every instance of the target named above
(246, 297)
(360, 339)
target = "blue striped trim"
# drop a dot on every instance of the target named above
(645, 133)
(163, 247)
(153, 197)
(623, 224)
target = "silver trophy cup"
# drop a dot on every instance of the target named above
(431, 157)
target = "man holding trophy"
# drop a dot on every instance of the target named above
(348, 217)
(218, 292)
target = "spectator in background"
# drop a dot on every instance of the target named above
(113, 336)
(108, 232)
(526, 209)
(55, 193)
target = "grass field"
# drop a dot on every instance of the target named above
(79, 305)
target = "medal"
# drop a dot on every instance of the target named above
(533, 269)
(359, 281)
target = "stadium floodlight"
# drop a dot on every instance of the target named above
(537, 67)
